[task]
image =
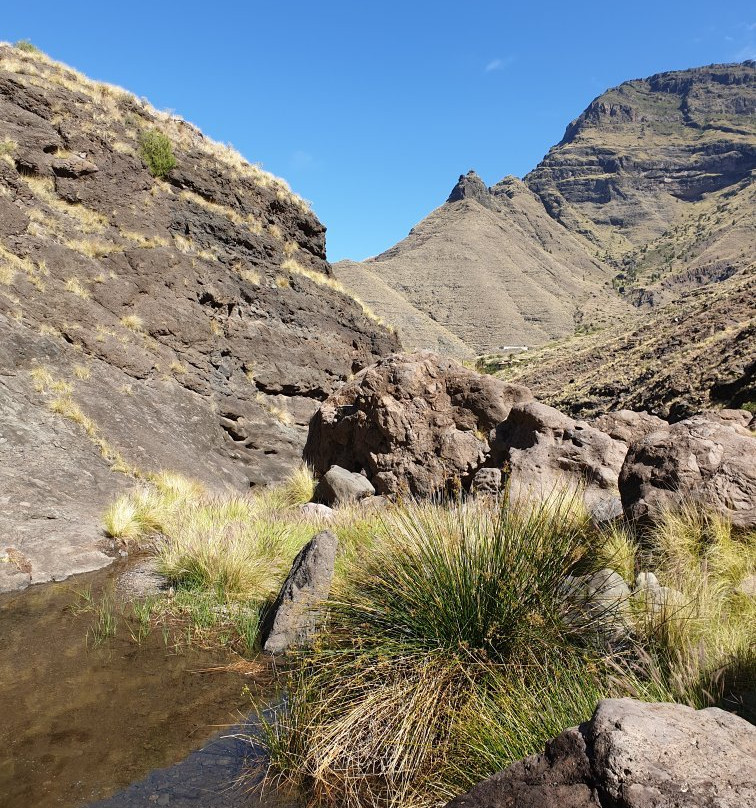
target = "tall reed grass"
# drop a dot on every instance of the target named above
(452, 647)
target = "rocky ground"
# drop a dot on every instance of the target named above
(633, 755)
(693, 354)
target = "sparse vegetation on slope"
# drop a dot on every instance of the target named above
(135, 246)
(156, 150)
(689, 355)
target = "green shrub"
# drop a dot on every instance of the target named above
(156, 150)
(25, 45)
(450, 608)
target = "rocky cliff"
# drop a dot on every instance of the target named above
(149, 318)
(657, 176)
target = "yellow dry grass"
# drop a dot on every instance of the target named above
(293, 266)
(84, 219)
(133, 322)
(75, 286)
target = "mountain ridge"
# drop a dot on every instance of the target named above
(649, 195)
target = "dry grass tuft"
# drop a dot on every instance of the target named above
(141, 240)
(281, 415)
(92, 248)
(133, 322)
(74, 286)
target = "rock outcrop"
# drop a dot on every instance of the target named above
(188, 322)
(696, 460)
(293, 618)
(339, 486)
(633, 755)
(421, 424)
(413, 423)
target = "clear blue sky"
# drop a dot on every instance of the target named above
(372, 110)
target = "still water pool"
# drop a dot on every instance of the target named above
(118, 723)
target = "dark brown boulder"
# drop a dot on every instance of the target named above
(293, 619)
(698, 460)
(633, 755)
(413, 422)
(627, 425)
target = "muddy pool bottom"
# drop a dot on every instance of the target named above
(116, 721)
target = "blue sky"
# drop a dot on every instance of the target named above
(372, 110)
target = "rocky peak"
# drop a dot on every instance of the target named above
(471, 186)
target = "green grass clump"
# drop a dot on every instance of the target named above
(448, 607)
(26, 46)
(225, 556)
(238, 559)
(156, 150)
(451, 648)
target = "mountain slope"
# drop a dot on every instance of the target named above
(693, 354)
(494, 269)
(189, 322)
(414, 326)
(645, 158)
(652, 192)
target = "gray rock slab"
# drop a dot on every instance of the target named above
(294, 616)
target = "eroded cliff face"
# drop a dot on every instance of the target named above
(189, 322)
(642, 156)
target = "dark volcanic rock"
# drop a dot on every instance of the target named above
(186, 323)
(696, 460)
(471, 186)
(627, 425)
(294, 617)
(547, 451)
(412, 422)
(633, 755)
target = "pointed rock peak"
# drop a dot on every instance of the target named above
(471, 186)
(509, 187)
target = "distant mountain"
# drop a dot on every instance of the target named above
(651, 188)
(639, 222)
(489, 266)
(656, 177)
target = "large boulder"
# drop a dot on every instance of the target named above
(627, 425)
(412, 422)
(294, 616)
(546, 451)
(633, 755)
(338, 486)
(696, 460)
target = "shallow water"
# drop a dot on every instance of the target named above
(79, 723)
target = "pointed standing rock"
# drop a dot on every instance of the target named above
(294, 616)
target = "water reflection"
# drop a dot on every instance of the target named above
(78, 723)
